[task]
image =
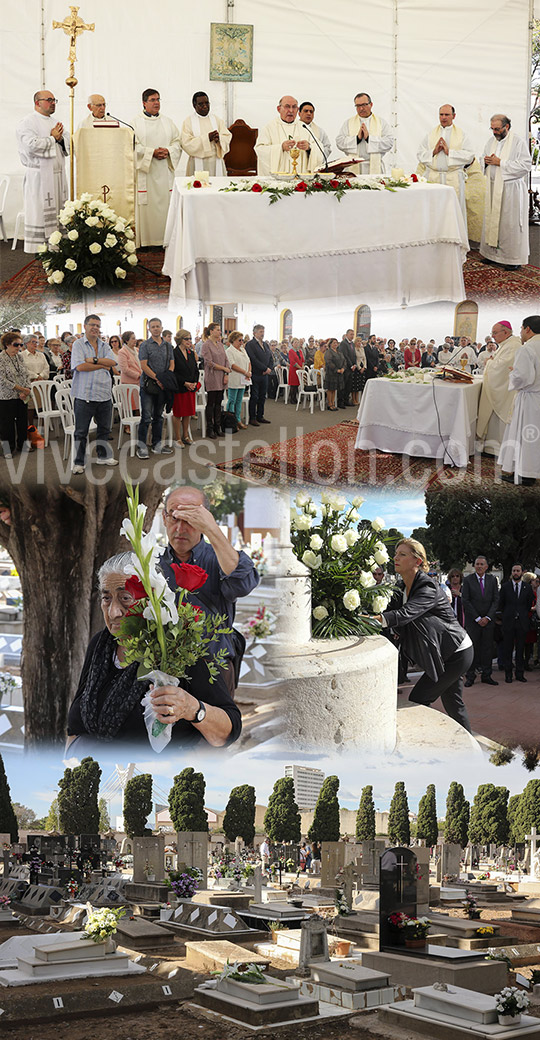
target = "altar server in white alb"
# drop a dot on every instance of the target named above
(321, 145)
(43, 146)
(444, 154)
(157, 154)
(205, 138)
(505, 231)
(278, 137)
(520, 450)
(366, 135)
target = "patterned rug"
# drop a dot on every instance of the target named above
(481, 281)
(328, 457)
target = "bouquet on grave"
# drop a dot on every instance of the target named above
(101, 924)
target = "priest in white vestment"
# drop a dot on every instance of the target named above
(505, 231)
(444, 154)
(43, 145)
(496, 399)
(520, 454)
(157, 154)
(322, 145)
(366, 135)
(97, 107)
(205, 138)
(278, 137)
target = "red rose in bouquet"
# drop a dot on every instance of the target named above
(135, 587)
(334, 184)
(189, 576)
(256, 187)
(414, 178)
(197, 184)
(301, 186)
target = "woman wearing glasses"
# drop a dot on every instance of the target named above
(14, 394)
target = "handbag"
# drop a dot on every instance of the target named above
(150, 386)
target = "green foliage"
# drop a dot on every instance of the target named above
(398, 818)
(137, 805)
(186, 801)
(52, 821)
(25, 817)
(104, 818)
(502, 527)
(325, 826)
(239, 818)
(423, 535)
(489, 816)
(184, 642)
(282, 819)
(20, 315)
(78, 798)
(365, 817)
(427, 828)
(8, 820)
(502, 756)
(515, 834)
(524, 811)
(224, 497)
(456, 824)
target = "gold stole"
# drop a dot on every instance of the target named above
(494, 192)
(374, 131)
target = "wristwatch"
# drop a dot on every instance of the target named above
(200, 714)
(94, 360)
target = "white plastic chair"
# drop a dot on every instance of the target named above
(19, 228)
(283, 382)
(4, 185)
(308, 395)
(67, 417)
(41, 392)
(126, 398)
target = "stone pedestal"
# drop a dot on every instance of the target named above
(452, 1013)
(149, 859)
(406, 970)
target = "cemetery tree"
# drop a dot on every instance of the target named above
(399, 830)
(186, 801)
(516, 833)
(8, 819)
(365, 817)
(52, 823)
(526, 813)
(137, 805)
(489, 816)
(25, 816)
(282, 819)
(104, 818)
(325, 826)
(78, 798)
(456, 824)
(239, 819)
(58, 536)
(427, 827)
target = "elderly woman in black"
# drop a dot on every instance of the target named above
(14, 393)
(430, 635)
(107, 704)
(334, 368)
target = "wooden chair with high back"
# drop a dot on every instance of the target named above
(241, 159)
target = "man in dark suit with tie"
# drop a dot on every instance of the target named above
(262, 366)
(515, 601)
(480, 596)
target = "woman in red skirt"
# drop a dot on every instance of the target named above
(186, 370)
(296, 361)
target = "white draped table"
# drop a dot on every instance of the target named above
(435, 420)
(383, 247)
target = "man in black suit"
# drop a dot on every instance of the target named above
(515, 601)
(262, 366)
(349, 353)
(373, 361)
(480, 596)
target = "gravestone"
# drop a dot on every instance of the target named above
(192, 851)
(449, 863)
(422, 879)
(313, 941)
(349, 877)
(370, 862)
(149, 859)
(335, 855)
(398, 891)
(257, 884)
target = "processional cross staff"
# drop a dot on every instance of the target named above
(73, 26)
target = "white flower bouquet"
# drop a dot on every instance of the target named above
(511, 1001)
(342, 551)
(102, 923)
(94, 248)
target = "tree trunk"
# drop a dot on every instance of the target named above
(57, 539)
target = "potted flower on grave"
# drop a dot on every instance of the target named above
(471, 907)
(184, 883)
(415, 930)
(483, 932)
(397, 922)
(275, 927)
(101, 925)
(510, 1002)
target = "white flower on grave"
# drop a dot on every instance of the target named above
(71, 264)
(92, 221)
(378, 524)
(129, 247)
(316, 542)
(89, 282)
(351, 600)
(338, 543)
(311, 560)
(55, 238)
(320, 613)
(73, 235)
(132, 260)
(95, 247)
(120, 272)
(57, 277)
(379, 604)
(302, 499)
(302, 523)
(351, 537)
(110, 241)
(381, 557)
(366, 580)
(357, 501)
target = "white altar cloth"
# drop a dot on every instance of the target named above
(383, 246)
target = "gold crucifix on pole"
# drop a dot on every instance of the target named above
(73, 26)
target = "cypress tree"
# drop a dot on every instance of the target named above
(325, 826)
(365, 817)
(186, 801)
(526, 813)
(282, 819)
(399, 830)
(489, 815)
(239, 819)
(78, 798)
(456, 824)
(137, 805)
(8, 820)
(427, 827)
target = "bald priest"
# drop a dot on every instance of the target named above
(279, 137)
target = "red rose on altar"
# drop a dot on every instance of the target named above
(301, 186)
(135, 587)
(189, 576)
(318, 185)
(334, 184)
(414, 178)
(256, 187)
(348, 184)
(197, 184)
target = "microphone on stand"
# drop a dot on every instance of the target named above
(319, 146)
(110, 115)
